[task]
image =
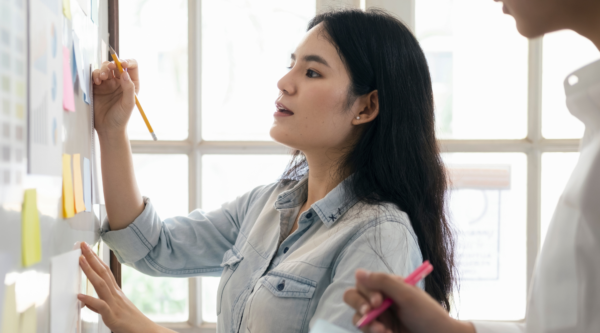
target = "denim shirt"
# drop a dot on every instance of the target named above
(272, 282)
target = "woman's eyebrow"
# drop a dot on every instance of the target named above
(312, 57)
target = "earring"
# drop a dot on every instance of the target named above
(357, 117)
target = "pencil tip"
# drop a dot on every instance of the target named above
(112, 51)
(154, 136)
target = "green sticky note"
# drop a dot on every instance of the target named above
(31, 243)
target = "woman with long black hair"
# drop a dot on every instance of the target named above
(365, 189)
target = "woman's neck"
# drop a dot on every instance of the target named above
(323, 176)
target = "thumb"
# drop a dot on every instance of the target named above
(128, 98)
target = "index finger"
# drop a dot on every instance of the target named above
(132, 68)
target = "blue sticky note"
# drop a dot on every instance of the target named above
(322, 326)
(87, 185)
(74, 65)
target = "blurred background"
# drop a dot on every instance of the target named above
(508, 139)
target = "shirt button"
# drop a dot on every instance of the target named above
(286, 249)
(281, 285)
(309, 215)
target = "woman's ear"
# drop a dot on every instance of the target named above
(367, 108)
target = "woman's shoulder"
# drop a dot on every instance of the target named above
(383, 217)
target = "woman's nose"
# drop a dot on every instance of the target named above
(286, 84)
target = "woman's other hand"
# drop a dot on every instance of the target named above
(118, 313)
(114, 95)
(413, 310)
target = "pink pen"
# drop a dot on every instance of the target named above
(414, 277)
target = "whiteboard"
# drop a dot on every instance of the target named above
(58, 235)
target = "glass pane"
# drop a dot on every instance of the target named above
(161, 299)
(472, 73)
(488, 211)
(556, 170)
(157, 37)
(225, 177)
(564, 53)
(246, 47)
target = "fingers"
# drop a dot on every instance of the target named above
(102, 287)
(357, 301)
(94, 304)
(128, 99)
(372, 285)
(97, 265)
(105, 72)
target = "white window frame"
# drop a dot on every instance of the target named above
(533, 146)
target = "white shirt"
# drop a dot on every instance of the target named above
(565, 292)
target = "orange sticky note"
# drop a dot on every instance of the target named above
(68, 98)
(78, 184)
(68, 201)
(31, 243)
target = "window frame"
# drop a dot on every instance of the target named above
(533, 145)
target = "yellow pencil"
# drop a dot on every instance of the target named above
(137, 102)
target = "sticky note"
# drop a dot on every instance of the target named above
(31, 243)
(74, 66)
(78, 184)
(10, 317)
(68, 98)
(5, 267)
(87, 185)
(66, 4)
(82, 69)
(28, 320)
(64, 287)
(68, 200)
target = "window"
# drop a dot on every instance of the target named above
(209, 77)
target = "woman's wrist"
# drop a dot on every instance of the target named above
(112, 136)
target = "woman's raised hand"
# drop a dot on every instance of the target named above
(413, 310)
(118, 313)
(114, 95)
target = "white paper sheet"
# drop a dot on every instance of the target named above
(322, 326)
(45, 86)
(5, 266)
(64, 286)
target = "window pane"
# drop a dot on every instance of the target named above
(161, 299)
(556, 170)
(472, 72)
(225, 177)
(488, 211)
(157, 37)
(564, 53)
(246, 47)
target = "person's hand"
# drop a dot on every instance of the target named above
(413, 310)
(118, 313)
(114, 95)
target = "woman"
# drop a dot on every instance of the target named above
(565, 292)
(365, 188)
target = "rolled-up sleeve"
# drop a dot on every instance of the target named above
(384, 247)
(180, 246)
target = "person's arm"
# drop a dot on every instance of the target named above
(114, 101)
(413, 310)
(118, 313)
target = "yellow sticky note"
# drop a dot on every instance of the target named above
(68, 201)
(78, 184)
(31, 243)
(67, 8)
(28, 320)
(10, 317)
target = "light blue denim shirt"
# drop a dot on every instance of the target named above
(272, 282)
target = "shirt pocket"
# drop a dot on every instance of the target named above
(231, 260)
(282, 303)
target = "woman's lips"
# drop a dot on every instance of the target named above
(282, 111)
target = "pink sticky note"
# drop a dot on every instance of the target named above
(68, 98)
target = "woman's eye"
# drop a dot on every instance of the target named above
(312, 74)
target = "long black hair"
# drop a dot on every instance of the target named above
(397, 158)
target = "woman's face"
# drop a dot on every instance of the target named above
(314, 94)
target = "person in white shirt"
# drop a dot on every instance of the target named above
(565, 292)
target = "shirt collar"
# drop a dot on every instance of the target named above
(329, 209)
